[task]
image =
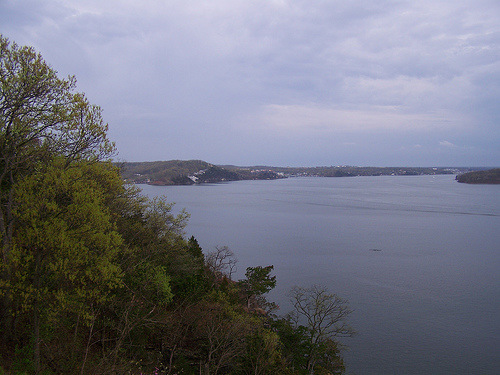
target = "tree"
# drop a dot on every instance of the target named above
(221, 263)
(262, 355)
(90, 268)
(40, 116)
(195, 249)
(294, 343)
(258, 282)
(223, 335)
(64, 258)
(155, 254)
(325, 316)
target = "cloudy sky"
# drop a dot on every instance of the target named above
(281, 82)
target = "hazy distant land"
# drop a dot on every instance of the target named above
(490, 176)
(189, 172)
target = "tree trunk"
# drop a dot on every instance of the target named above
(6, 219)
(171, 359)
(6, 231)
(36, 312)
(36, 333)
(88, 343)
(75, 336)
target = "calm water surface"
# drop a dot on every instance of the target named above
(427, 303)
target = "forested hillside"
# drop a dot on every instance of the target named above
(188, 172)
(97, 279)
(173, 172)
(491, 176)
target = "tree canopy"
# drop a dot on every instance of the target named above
(41, 116)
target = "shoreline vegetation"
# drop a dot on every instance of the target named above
(190, 172)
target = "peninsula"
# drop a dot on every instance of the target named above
(490, 176)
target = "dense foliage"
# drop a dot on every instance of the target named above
(97, 279)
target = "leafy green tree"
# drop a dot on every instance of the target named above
(40, 116)
(194, 282)
(64, 256)
(258, 282)
(262, 352)
(155, 258)
(294, 343)
(194, 248)
(95, 261)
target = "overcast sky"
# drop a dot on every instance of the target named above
(278, 82)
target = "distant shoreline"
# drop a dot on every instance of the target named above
(191, 172)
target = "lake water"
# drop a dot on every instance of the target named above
(428, 302)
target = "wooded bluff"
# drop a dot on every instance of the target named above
(97, 279)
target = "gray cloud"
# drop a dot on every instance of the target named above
(233, 81)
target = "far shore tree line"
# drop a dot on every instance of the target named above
(189, 172)
(97, 279)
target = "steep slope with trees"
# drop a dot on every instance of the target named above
(97, 279)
